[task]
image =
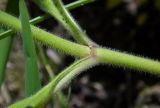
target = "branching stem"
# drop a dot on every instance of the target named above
(104, 55)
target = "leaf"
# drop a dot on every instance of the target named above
(5, 34)
(32, 80)
(4, 52)
(78, 3)
(5, 44)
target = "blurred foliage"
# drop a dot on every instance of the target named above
(112, 3)
(157, 4)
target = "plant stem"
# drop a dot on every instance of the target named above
(45, 62)
(104, 55)
(78, 34)
(32, 21)
(39, 19)
(60, 14)
(64, 77)
(46, 38)
(125, 60)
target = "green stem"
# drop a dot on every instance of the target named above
(45, 62)
(32, 21)
(60, 98)
(61, 15)
(39, 19)
(46, 38)
(125, 60)
(78, 34)
(103, 55)
(64, 77)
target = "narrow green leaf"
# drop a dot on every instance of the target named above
(78, 3)
(32, 80)
(41, 97)
(5, 44)
(5, 34)
(4, 52)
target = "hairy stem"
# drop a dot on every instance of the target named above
(60, 14)
(41, 97)
(46, 38)
(129, 61)
(39, 19)
(78, 34)
(104, 55)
